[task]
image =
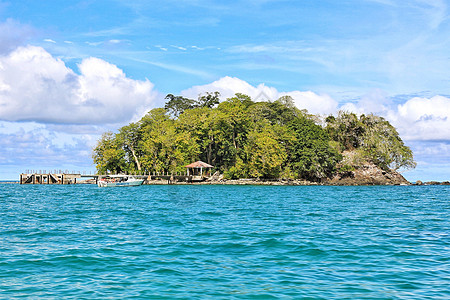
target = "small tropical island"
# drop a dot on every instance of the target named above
(269, 141)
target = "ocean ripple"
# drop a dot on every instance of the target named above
(243, 242)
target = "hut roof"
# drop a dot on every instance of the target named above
(199, 164)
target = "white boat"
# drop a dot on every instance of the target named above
(119, 180)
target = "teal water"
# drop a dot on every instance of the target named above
(224, 242)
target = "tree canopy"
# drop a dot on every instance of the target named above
(373, 136)
(244, 139)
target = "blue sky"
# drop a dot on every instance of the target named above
(70, 70)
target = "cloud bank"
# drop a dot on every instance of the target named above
(422, 119)
(35, 86)
(416, 119)
(228, 86)
(425, 119)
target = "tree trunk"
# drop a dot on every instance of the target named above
(138, 164)
(211, 138)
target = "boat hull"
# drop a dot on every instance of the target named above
(136, 182)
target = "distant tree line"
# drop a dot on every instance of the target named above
(247, 139)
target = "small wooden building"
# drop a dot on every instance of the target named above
(199, 168)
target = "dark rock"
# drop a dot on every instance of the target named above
(370, 174)
(432, 183)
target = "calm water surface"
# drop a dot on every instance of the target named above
(244, 242)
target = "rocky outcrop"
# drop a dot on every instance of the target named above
(362, 172)
(418, 182)
(369, 174)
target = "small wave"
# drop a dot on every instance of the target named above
(270, 243)
(212, 214)
(166, 271)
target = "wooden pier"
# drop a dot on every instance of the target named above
(48, 178)
(195, 172)
(66, 178)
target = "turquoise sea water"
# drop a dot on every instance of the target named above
(224, 242)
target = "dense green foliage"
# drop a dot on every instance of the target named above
(375, 138)
(244, 139)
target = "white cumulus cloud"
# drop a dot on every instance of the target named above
(417, 118)
(229, 86)
(314, 103)
(35, 86)
(423, 118)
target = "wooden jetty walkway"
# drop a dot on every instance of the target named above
(195, 172)
(49, 178)
(71, 178)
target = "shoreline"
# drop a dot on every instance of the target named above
(287, 183)
(275, 182)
